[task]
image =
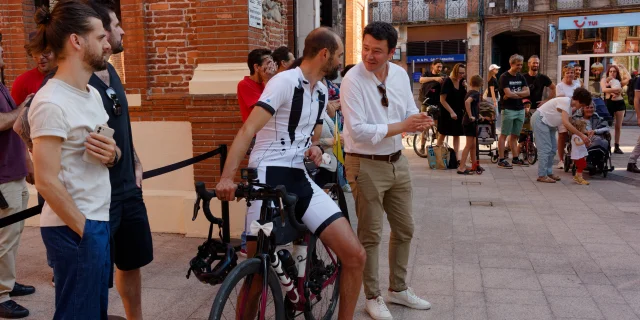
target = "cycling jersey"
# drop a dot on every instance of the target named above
(278, 154)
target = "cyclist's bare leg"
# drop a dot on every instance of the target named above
(252, 300)
(341, 239)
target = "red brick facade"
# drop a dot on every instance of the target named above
(165, 41)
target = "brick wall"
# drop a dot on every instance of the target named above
(354, 25)
(16, 21)
(164, 42)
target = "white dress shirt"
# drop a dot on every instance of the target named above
(365, 119)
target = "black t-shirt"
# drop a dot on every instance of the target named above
(493, 82)
(434, 93)
(536, 87)
(515, 84)
(123, 178)
(475, 95)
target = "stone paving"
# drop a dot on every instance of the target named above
(538, 251)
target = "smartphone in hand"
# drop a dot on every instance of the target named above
(103, 130)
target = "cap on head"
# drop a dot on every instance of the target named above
(494, 67)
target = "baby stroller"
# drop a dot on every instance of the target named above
(487, 135)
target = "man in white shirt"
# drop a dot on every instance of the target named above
(77, 190)
(378, 106)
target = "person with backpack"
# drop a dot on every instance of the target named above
(431, 85)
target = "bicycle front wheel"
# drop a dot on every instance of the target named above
(237, 300)
(532, 153)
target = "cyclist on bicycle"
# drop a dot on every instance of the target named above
(287, 124)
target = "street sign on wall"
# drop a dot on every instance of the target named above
(255, 13)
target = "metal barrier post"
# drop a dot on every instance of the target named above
(226, 237)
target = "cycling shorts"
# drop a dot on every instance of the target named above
(314, 208)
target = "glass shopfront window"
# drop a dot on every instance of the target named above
(600, 40)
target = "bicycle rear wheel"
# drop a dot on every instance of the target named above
(323, 276)
(420, 144)
(233, 297)
(532, 153)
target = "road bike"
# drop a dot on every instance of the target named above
(253, 289)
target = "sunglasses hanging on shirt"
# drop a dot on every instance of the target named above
(117, 107)
(383, 91)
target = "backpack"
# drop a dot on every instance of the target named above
(453, 159)
(631, 91)
(425, 89)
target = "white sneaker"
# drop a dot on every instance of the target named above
(408, 298)
(561, 165)
(377, 309)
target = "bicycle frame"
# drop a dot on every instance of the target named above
(299, 294)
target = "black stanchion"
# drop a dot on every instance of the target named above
(226, 237)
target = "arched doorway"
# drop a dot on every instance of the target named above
(504, 45)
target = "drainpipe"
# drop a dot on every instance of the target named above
(295, 28)
(481, 16)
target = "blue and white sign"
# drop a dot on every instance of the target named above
(416, 76)
(444, 58)
(599, 21)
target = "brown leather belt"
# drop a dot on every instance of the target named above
(388, 158)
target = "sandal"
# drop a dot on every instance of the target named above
(465, 172)
(546, 179)
(554, 177)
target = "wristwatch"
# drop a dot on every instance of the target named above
(115, 160)
(321, 149)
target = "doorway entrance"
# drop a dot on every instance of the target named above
(506, 44)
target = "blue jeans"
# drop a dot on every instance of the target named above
(81, 270)
(546, 142)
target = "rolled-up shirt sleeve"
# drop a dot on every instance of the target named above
(355, 120)
(48, 119)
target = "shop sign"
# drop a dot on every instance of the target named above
(599, 21)
(444, 58)
(416, 76)
(599, 47)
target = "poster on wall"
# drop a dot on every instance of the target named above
(255, 13)
(599, 47)
(632, 46)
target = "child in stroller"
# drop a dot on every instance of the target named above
(487, 135)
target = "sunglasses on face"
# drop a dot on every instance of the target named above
(383, 91)
(117, 107)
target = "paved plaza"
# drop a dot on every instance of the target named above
(524, 250)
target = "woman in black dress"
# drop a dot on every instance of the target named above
(454, 89)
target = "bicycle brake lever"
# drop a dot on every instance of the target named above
(196, 208)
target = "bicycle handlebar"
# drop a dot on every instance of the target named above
(249, 192)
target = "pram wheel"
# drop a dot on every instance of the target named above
(605, 171)
(567, 163)
(573, 169)
(494, 158)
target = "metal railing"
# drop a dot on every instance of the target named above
(507, 7)
(424, 11)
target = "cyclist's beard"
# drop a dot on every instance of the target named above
(332, 73)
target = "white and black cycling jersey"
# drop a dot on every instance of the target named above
(296, 106)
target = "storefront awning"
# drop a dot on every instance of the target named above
(599, 21)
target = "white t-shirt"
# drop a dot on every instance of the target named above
(60, 110)
(366, 120)
(565, 90)
(549, 111)
(578, 151)
(296, 110)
